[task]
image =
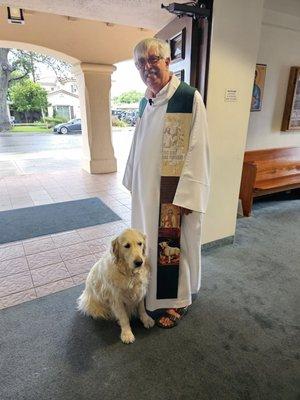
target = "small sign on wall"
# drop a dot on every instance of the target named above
(230, 95)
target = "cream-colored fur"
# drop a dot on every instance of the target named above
(116, 285)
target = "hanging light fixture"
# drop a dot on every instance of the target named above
(15, 15)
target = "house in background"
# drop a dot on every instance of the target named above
(63, 96)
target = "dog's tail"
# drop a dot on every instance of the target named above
(88, 305)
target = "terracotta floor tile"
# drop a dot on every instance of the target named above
(5, 207)
(66, 239)
(15, 283)
(17, 298)
(59, 199)
(98, 256)
(93, 232)
(38, 245)
(106, 241)
(123, 214)
(126, 203)
(14, 266)
(48, 274)
(20, 199)
(81, 278)
(12, 251)
(5, 202)
(19, 194)
(123, 196)
(45, 258)
(127, 223)
(10, 244)
(74, 251)
(119, 208)
(97, 245)
(42, 202)
(54, 287)
(17, 205)
(100, 231)
(80, 265)
(57, 192)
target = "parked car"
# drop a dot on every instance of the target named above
(131, 118)
(125, 115)
(74, 125)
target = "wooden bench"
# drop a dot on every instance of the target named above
(268, 171)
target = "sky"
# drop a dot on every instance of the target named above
(125, 78)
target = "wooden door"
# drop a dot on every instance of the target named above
(189, 40)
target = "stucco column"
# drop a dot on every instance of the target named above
(94, 83)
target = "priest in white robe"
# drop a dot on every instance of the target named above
(143, 178)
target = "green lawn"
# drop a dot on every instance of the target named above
(26, 128)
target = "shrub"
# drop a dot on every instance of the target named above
(52, 121)
(119, 123)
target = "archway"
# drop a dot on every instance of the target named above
(94, 82)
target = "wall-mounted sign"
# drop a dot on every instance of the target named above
(230, 95)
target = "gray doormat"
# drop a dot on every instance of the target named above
(27, 223)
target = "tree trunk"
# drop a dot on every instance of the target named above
(32, 66)
(4, 77)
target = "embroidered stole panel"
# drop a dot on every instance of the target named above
(175, 143)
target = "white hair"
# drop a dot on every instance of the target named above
(162, 47)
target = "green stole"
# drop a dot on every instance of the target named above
(175, 144)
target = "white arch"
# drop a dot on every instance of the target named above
(98, 153)
(39, 49)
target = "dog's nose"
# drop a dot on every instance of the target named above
(138, 263)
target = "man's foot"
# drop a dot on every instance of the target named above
(171, 317)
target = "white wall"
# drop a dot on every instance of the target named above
(235, 43)
(279, 49)
(62, 99)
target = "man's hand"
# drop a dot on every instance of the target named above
(185, 211)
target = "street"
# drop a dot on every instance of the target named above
(26, 153)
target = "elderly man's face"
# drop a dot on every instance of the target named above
(154, 70)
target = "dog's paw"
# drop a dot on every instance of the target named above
(127, 337)
(147, 321)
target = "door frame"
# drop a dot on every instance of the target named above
(196, 38)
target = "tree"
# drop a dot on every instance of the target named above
(4, 78)
(28, 96)
(133, 96)
(17, 65)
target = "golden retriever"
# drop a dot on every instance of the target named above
(116, 285)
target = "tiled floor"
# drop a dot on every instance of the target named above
(36, 267)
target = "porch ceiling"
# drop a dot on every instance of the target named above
(138, 13)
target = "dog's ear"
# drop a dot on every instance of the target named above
(144, 245)
(115, 248)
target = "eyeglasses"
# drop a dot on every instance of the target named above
(152, 60)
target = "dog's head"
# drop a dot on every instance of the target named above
(129, 249)
(163, 245)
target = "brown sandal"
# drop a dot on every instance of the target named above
(180, 311)
(168, 316)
